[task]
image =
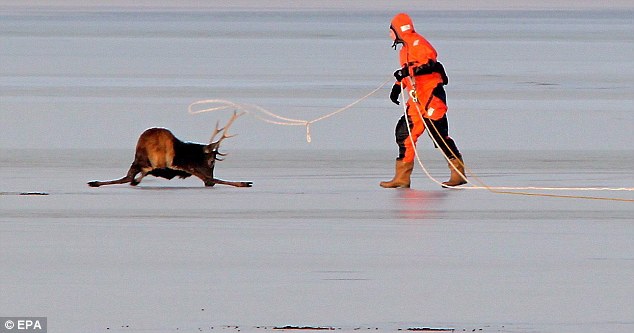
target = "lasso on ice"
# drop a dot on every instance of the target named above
(272, 118)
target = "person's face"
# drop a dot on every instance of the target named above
(392, 35)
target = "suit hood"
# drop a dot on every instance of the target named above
(402, 25)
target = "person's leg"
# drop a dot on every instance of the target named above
(405, 132)
(409, 137)
(439, 131)
(401, 132)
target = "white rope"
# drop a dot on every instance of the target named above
(284, 121)
(473, 187)
(501, 189)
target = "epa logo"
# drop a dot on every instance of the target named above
(24, 325)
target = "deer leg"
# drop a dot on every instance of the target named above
(96, 183)
(129, 178)
(231, 183)
(211, 181)
(134, 180)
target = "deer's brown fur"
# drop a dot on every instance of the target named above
(161, 154)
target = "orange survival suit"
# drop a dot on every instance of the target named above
(422, 77)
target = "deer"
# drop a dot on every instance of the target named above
(159, 153)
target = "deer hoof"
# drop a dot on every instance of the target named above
(94, 183)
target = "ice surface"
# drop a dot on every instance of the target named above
(537, 98)
(316, 242)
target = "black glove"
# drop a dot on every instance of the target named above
(402, 73)
(396, 92)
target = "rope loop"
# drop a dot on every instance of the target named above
(272, 118)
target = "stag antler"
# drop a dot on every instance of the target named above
(224, 129)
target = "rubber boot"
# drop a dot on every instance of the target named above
(455, 179)
(402, 174)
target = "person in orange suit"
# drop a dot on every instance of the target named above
(421, 77)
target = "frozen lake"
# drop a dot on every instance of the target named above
(316, 242)
(536, 98)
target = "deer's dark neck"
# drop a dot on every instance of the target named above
(188, 153)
